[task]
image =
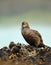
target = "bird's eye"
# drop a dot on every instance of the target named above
(23, 23)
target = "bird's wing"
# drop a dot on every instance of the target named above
(36, 33)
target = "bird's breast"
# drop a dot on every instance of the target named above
(25, 33)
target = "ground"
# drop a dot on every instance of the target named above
(20, 54)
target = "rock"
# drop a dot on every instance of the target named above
(12, 44)
(15, 49)
(22, 54)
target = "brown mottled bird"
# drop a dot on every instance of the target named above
(32, 37)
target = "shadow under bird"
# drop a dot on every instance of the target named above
(32, 37)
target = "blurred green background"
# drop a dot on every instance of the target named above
(13, 12)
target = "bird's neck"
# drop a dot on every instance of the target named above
(25, 28)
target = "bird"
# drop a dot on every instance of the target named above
(32, 37)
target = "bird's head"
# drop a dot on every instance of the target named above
(25, 25)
